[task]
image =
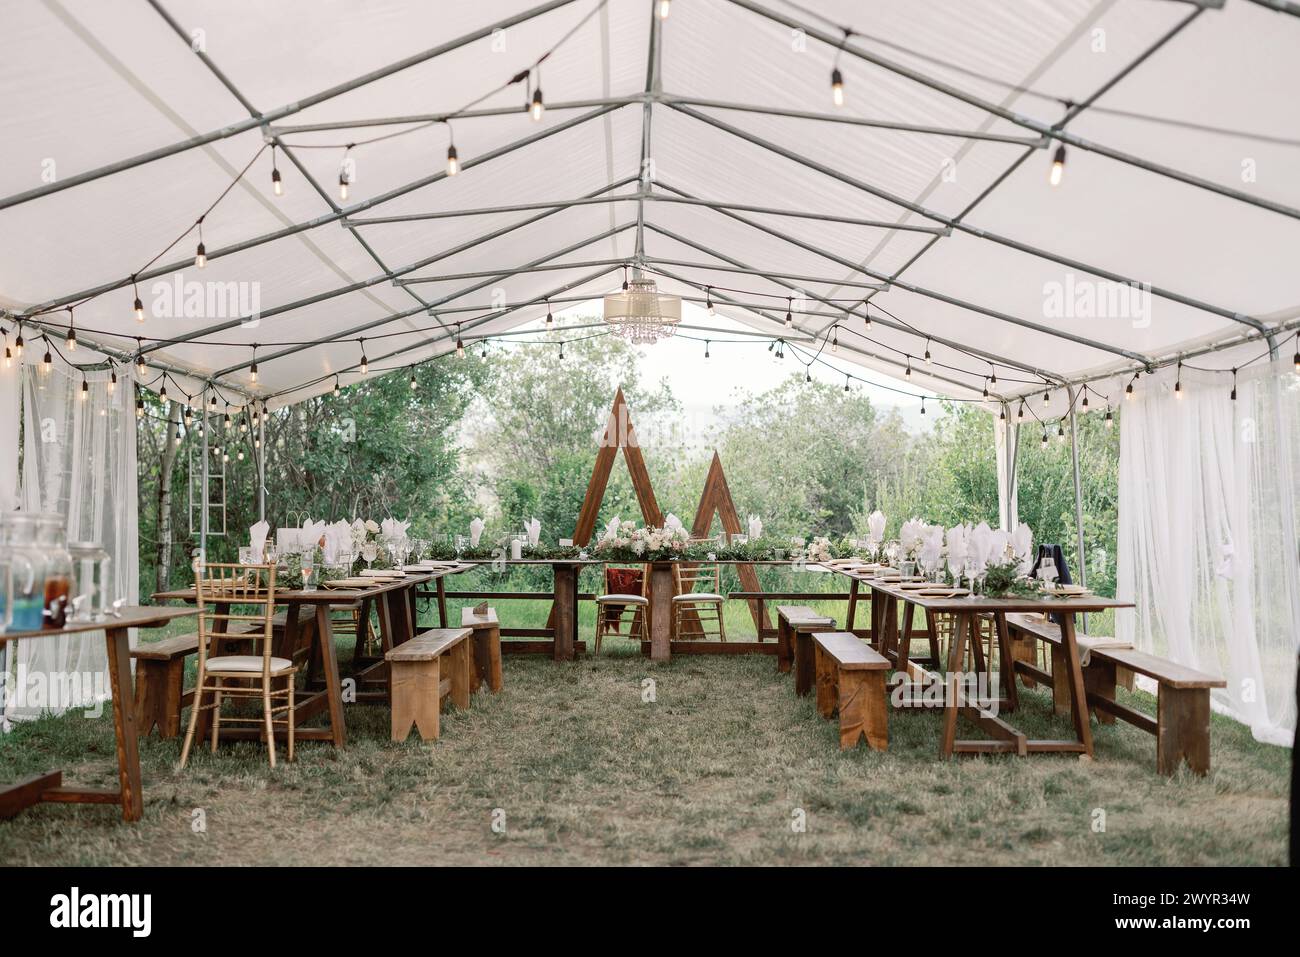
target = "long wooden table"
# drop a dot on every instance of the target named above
(308, 615)
(129, 794)
(894, 645)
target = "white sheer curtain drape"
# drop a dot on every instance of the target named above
(79, 460)
(1209, 491)
(10, 387)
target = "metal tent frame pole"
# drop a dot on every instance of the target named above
(1082, 568)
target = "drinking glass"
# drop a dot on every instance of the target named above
(246, 555)
(369, 551)
(309, 570)
(891, 553)
(972, 578)
(270, 554)
(461, 542)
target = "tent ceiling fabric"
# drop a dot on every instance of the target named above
(89, 84)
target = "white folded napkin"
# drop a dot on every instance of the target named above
(1022, 543)
(932, 545)
(876, 526)
(311, 533)
(956, 549)
(393, 528)
(672, 521)
(257, 539)
(755, 527)
(475, 532)
(611, 527)
(534, 532)
(1087, 643)
(978, 544)
(999, 545)
(338, 542)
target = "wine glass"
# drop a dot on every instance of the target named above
(461, 542)
(972, 577)
(309, 570)
(369, 551)
(891, 553)
(270, 554)
(1047, 571)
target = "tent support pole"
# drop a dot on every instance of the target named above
(1082, 561)
(203, 484)
(261, 466)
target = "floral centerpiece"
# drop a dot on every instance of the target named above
(626, 541)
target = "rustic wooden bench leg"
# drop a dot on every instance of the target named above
(803, 662)
(150, 678)
(461, 666)
(1060, 681)
(826, 683)
(1183, 729)
(863, 710)
(493, 676)
(1099, 680)
(415, 690)
(784, 653)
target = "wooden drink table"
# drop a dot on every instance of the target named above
(49, 786)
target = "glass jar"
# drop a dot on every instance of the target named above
(94, 569)
(27, 571)
(52, 537)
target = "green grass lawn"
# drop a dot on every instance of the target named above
(576, 768)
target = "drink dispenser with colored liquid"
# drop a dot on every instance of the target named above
(26, 571)
(53, 540)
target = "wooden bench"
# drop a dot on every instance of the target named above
(487, 647)
(160, 693)
(1182, 723)
(794, 627)
(851, 680)
(419, 681)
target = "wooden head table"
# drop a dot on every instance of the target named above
(966, 612)
(49, 786)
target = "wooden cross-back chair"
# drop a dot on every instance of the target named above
(243, 595)
(698, 614)
(619, 599)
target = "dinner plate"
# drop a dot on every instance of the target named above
(349, 583)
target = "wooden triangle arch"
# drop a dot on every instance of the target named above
(716, 498)
(619, 434)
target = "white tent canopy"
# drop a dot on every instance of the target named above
(662, 130)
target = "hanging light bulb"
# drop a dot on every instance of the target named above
(928, 360)
(923, 405)
(1060, 432)
(535, 109)
(1058, 166)
(345, 177)
(112, 382)
(162, 393)
(789, 316)
(1178, 382)
(71, 341)
(483, 351)
(277, 186)
(561, 350)
(1003, 416)
(807, 375)
(835, 338)
(453, 161)
(1297, 356)
(868, 325)
(1233, 396)
(200, 253)
(139, 406)
(460, 346)
(85, 389)
(986, 388)
(140, 368)
(9, 355)
(1047, 398)
(47, 363)
(550, 319)
(846, 383)
(225, 418)
(188, 415)
(137, 305)
(365, 363)
(708, 304)
(993, 375)
(212, 403)
(1110, 419)
(240, 455)
(1128, 390)
(1085, 397)
(1044, 442)
(837, 87)
(414, 385)
(179, 435)
(907, 373)
(18, 344)
(252, 369)
(665, 8)
(1020, 414)
(706, 348)
(336, 387)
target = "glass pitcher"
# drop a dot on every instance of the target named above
(27, 573)
(52, 537)
(94, 580)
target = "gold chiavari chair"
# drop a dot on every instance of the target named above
(698, 614)
(617, 601)
(242, 594)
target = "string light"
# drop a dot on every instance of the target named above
(414, 385)
(837, 87)
(1058, 166)
(1002, 417)
(18, 343)
(9, 356)
(789, 316)
(550, 319)
(928, 360)
(162, 393)
(139, 405)
(336, 387)
(140, 368)
(1047, 398)
(708, 304)
(1297, 355)
(453, 160)
(846, 382)
(1044, 442)
(923, 405)
(277, 186)
(665, 8)
(1110, 419)
(1178, 381)
(907, 373)
(225, 418)
(986, 388)
(1085, 397)
(1020, 415)
(138, 305)
(71, 342)
(835, 338)
(1128, 389)
(535, 109)
(706, 348)
(561, 350)
(460, 346)
(252, 369)
(807, 375)
(344, 178)
(483, 352)
(47, 363)
(1060, 432)
(1233, 396)
(365, 363)
(868, 325)
(200, 253)
(85, 388)
(212, 403)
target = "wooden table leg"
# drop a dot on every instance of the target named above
(952, 682)
(1078, 696)
(330, 664)
(1006, 662)
(661, 611)
(853, 606)
(124, 727)
(442, 601)
(905, 645)
(363, 626)
(566, 611)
